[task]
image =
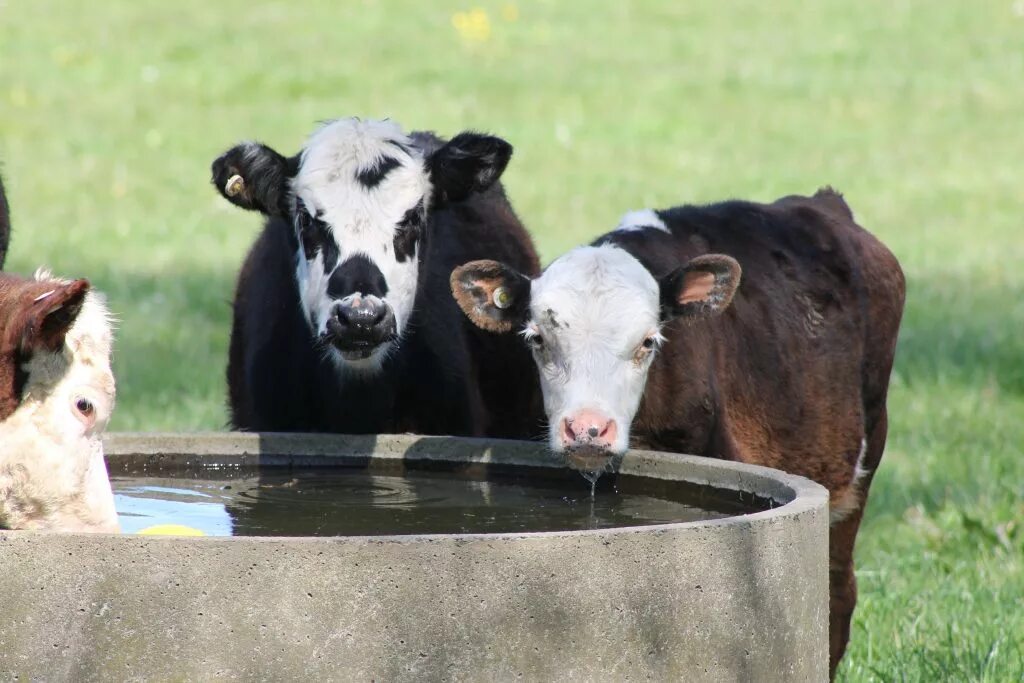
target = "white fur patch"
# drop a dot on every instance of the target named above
(593, 308)
(52, 474)
(847, 500)
(641, 220)
(364, 220)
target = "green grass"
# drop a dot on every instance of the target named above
(110, 114)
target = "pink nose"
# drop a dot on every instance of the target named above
(588, 428)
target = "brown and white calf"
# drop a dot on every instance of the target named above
(56, 396)
(652, 337)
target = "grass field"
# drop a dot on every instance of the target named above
(111, 112)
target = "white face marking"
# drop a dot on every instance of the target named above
(364, 220)
(52, 473)
(641, 220)
(593, 308)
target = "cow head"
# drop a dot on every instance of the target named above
(594, 321)
(359, 197)
(56, 396)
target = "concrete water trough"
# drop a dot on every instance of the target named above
(738, 598)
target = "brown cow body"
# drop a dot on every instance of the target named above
(792, 374)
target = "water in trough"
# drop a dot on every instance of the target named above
(342, 501)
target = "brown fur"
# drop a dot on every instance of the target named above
(794, 374)
(28, 322)
(474, 286)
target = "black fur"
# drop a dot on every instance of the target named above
(374, 175)
(358, 274)
(264, 172)
(409, 229)
(5, 224)
(445, 376)
(316, 237)
(468, 163)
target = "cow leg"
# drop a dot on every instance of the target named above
(842, 538)
(842, 586)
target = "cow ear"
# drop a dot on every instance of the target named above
(254, 177)
(492, 295)
(468, 163)
(701, 288)
(46, 319)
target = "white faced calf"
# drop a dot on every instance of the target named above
(648, 339)
(56, 396)
(593, 320)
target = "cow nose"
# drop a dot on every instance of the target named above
(588, 428)
(360, 314)
(361, 322)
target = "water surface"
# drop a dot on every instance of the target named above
(354, 502)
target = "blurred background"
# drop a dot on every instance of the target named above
(111, 112)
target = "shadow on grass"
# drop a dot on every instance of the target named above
(170, 352)
(956, 404)
(965, 333)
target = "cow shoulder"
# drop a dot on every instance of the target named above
(270, 331)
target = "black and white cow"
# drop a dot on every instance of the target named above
(343, 318)
(651, 337)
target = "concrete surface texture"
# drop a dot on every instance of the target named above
(744, 598)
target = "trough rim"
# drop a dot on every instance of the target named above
(806, 496)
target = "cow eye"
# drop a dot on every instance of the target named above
(537, 341)
(648, 343)
(310, 229)
(85, 407)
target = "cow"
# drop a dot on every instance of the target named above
(343, 320)
(760, 333)
(56, 395)
(5, 224)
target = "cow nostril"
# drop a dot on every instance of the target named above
(567, 433)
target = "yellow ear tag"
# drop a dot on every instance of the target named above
(170, 530)
(502, 298)
(234, 186)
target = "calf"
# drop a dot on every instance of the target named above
(343, 320)
(56, 395)
(649, 338)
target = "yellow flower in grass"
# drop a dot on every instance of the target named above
(474, 26)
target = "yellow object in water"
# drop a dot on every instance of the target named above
(170, 530)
